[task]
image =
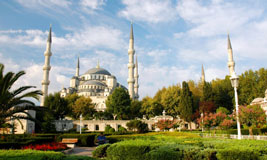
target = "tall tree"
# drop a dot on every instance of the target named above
(118, 103)
(57, 105)
(83, 106)
(16, 101)
(207, 92)
(186, 103)
(71, 99)
(151, 107)
(170, 100)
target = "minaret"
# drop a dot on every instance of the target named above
(202, 75)
(131, 52)
(136, 76)
(47, 67)
(97, 66)
(231, 63)
(77, 68)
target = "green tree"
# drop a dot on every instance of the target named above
(186, 103)
(118, 103)
(207, 92)
(170, 99)
(16, 101)
(151, 107)
(83, 106)
(134, 110)
(58, 105)
(71, 99)
(252, 116)
(137, 125)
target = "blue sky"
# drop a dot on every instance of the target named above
(172, 38)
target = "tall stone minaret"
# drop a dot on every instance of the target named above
(47, 67)
(202, 75)
(131, 52)
(77, 68)
(231, 63)
(136, 76)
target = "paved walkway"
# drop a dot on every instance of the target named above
(83, 151)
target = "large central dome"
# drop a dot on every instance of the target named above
(98, 71)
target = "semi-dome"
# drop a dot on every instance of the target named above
(257, 100)
(98, 71)
(92, 82)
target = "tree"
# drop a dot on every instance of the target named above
(151, 107)
(186, 103)
(252, 116)
(83, 106)
(15, 103)
(170, 100)
(71, 99)
(118, 103)
(58, 105)
(137, 125)
(207, 92)
(165, 124)
(134, 110)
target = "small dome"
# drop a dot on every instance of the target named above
(257, 100)
(92, 82)
(98, 71)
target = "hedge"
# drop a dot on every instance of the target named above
(30, 155)
(38, 155)
(183, 147)
(101, 151)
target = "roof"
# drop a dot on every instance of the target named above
(97, 71)
(93, 82)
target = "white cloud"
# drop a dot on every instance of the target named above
(37, 4)
(86, 38)
(151, 11)
(90, 5)
(216, 17)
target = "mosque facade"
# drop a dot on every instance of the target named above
(98, 83)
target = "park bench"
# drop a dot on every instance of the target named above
(70, 142)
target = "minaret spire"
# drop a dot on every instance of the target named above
(202, 75)
(231, 63)
(98, 66)
(47, 67)
(136, 76)
(78, 68)
(131, 52)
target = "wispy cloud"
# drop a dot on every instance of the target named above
(151, 11)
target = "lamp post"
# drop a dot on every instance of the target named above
(81, 116)
(202, 120)
(234, 81)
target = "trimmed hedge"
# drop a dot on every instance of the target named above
(168, 146)
(101, 151)
(38, 155)
(30, 155)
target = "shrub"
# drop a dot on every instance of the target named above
(101, 151)
(237, 154)
(111, 131)
(30, 155)
(122, 130)
(138, 126)
(74, 157)
(164, 152)
(107, 128)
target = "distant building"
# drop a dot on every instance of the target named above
(261, 101)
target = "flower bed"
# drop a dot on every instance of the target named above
(54, 146)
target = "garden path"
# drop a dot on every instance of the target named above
(83, 151)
